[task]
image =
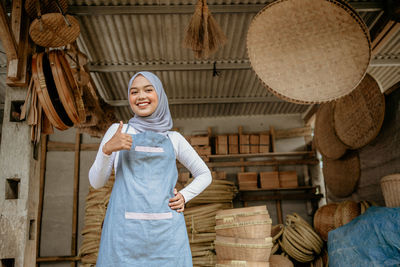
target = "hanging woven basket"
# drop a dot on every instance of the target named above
(54, 30)
(358, 117)
(341, 176)
(309, 51)
(328, 144)
(46, 6)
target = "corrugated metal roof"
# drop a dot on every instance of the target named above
(118, 44)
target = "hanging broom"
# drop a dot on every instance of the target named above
(203, 34)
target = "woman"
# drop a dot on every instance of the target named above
(144, 223)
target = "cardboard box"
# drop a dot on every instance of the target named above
(244, 144)
(288, 179)
(254, 143)
(269, 180)
(221, 144)
(218, 175)
(247, 180)
(264, 143)
(233, 143)
(200, 140)
(203, 150)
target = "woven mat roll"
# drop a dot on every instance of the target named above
(320, 52)
(324, 220)
(324, 133)
(342, 175)
(358, 117)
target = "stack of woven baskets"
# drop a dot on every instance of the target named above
(200, 219)
(243, 237)
(95, 211)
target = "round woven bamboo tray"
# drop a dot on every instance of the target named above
(46, 6)
(358, 117)
(244, 249)
(227, 263)
(342, 175)
(320, 52)
(51, 30)
(390, 185)
(345, 212)
(47, 92)
(67, 88)
(324, 133)
(280, 261)
(324, 220)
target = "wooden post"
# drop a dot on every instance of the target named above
(7, 36)
(76, 198)
(43, 156)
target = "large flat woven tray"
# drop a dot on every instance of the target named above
(309, 51)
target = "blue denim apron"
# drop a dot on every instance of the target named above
(140, 229)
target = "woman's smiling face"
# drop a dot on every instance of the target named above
(143, 97)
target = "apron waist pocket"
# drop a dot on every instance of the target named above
(149, 149)
(148, 216)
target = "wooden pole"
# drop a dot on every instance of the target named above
(76, 198)
(43, 154)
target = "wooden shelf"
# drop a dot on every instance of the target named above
(280, 189)
(270, 154)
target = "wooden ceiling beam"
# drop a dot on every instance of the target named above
(219, 100)
(370, 6)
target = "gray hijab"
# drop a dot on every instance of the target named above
(160, 121)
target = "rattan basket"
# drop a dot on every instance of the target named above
(249, 249)
(227, 263)
(324, 133)
(249, 229)
(358, 117)
(324, 220)
(51, 30)
(346, 211)
(309, 51)
(390, 185)
(342, 175)
(280, 261)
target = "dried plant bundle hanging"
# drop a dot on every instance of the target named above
(203, 34)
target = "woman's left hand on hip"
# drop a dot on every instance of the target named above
(177, 202)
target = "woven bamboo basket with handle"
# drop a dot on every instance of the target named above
(249, 249)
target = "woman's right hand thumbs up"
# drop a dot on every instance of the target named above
(119, 141)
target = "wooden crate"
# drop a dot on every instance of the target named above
(254, 143)
(218, 175)
(244, 144)
(233, 143)
(203, 150)
(264, 143)
(288, 179)
(247, 180)
(200, 140)
(221, 144)
(269, 180)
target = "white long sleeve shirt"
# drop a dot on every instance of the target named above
(102, 166)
